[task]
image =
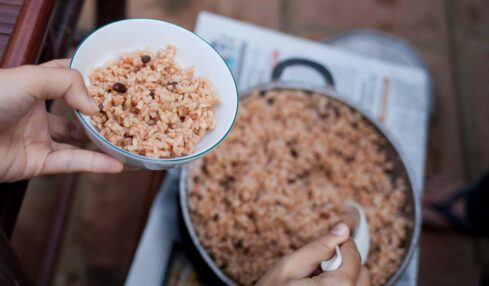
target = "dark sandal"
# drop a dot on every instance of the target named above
(476, 211)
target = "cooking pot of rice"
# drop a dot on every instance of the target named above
(296, 153)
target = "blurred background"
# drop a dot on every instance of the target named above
(451, 36)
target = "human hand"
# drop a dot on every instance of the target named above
(33, 142)
(299, 268)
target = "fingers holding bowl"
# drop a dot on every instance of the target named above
(64, 130)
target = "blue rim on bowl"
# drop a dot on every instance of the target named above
(141, 157)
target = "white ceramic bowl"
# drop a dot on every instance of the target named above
(110, 41)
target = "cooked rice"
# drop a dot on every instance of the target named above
(281, 177)
(165, 110)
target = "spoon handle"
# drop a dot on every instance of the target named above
(333, 263)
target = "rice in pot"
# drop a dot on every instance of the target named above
(281, 177)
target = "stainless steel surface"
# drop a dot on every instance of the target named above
(412, 209)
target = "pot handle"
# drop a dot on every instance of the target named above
(280, 67)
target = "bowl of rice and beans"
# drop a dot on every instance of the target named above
(165, 96)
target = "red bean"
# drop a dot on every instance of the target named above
(145, 59)
(119, 87)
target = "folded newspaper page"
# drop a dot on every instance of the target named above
(395, 95)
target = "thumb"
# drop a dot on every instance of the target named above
(306, 259)
(348, 272)
(48, 82)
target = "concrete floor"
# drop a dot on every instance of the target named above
(452, 36)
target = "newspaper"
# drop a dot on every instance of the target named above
(396, 96)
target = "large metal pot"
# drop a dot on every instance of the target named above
(412, 208)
